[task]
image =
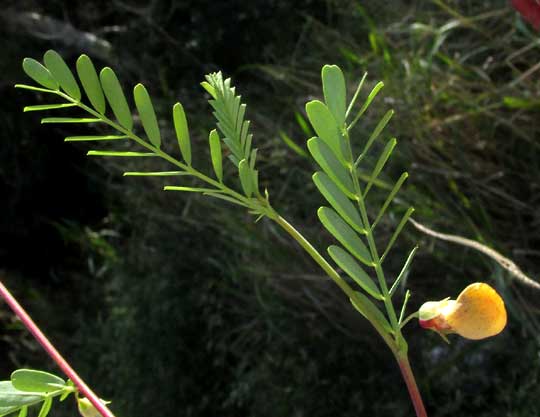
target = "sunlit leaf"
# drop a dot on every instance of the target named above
(338, 200)
(12, 399)
(383, 158)
(400, 226)
(375, 134)
(291, 144)
(344, 234)
(147, 114)
(390, 198)
(116, 153)
(61, 72)
(330, 164)
(41, 107)
(404, 271)
(245, 177)
(182, 132)
(116, 98)
(215, 153)
(94, 138)
(39, 74)
(90, 82)
(370, 311)
(325, 126)
(46, 407)
(335, 94)
(36, 381)
(70, 120)
(346, 262)
(156, 174)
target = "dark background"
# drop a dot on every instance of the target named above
(172, 304)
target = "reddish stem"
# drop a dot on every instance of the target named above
(414, 392)
(53, 353)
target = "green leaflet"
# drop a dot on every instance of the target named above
(215, 154)
(23, 412)
(32, 88)
(36, 381)
(147, 114)
(370, 97)
(400, 226)
(12, 399)
(182, 132)
(403, 272)
(390, 197)
(383, 158)
(344, 234)
(370, 311)
(245, 177)
(93, 138)
(291, 144)
(335, 94)
(39, 73)
(156, 174)
(330, 164)
(70, 120)
(375, 134)
(46, 407)
(61, 72)
(116, 98)
(355, 271)
(116, 153)
(339, 201)
(90, 82)
(41, 107)
(326, 128)
(189, 189)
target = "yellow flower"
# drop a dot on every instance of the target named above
(477, 313)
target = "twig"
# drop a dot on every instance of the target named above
(504, 262)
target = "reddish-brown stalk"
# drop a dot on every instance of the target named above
(53, 353)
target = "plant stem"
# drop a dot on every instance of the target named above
(408, 376)
(53, 352)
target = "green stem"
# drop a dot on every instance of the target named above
(373, 249)
(331, 272)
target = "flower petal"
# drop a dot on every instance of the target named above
(478, 313)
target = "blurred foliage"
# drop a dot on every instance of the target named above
(174, 304)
